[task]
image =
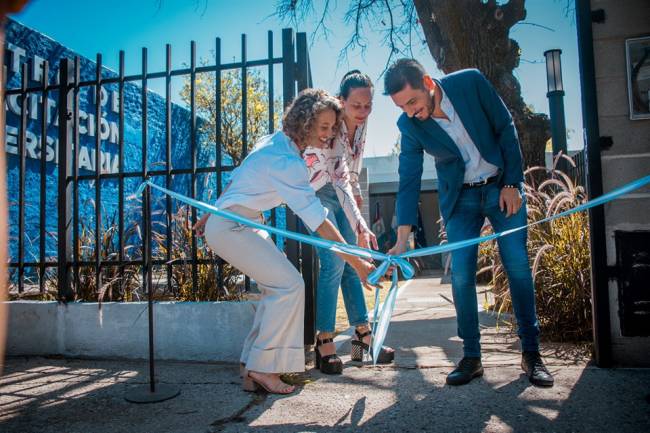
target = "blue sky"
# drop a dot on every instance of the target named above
(96, 26)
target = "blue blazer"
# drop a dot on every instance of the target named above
(489, 124)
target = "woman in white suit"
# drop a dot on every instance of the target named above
(275, 173)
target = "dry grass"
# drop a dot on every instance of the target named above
(207, 287)
(342, 323)
(116, 285)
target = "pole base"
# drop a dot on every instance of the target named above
(142, 393)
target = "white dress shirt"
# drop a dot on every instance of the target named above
(476, 168)
(272, 174)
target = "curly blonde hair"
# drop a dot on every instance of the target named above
(300, 115)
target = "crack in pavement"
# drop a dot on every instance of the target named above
(239, 416)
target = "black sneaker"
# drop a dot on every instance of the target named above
(532, 364)
(468, 369)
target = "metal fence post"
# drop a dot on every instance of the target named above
(309, 260)
(65, 187)
(288, 93)
(594, 184)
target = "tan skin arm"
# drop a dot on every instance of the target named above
(403, 233)
(199, 227)
(510, 202)
(327, 231)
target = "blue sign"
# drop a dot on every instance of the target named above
(25, 45)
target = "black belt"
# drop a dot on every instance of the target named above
(481, 183)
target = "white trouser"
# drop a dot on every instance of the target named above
(275, 343)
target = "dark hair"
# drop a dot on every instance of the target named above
(353, 79)
(401, 73)
(300, 115)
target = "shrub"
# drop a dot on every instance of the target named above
(207, 288)
(117, 285)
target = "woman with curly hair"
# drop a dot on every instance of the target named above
(334, 174)
(272, 174)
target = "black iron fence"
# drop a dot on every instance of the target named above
(63, 267)
(578, 172)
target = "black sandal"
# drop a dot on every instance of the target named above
(328, 364)
(359, 348)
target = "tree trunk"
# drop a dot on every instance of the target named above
(475, 34)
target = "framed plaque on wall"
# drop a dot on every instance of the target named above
(637, 58)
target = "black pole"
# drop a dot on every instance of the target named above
(307, 253)
(43, 177)
(193, 151)
(120, 141)
(597, 239)
(146, 224)
(558, 123)
(271, 121)
(98, 170)
(168, 158)
(75, 175)
(288, 93)
(161, 392)
(65, 104)
(22, 154)
(217, 134)
(151, 393)
(147, 275)
(558, 127)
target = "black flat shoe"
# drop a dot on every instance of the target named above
(468, 369)
(328, 364)
(532, 364)
(359, 348)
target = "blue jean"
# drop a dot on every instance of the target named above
(334, 272)
(473, 206)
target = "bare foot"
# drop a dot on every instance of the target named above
(271, 382)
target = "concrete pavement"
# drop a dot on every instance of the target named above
(61, 395)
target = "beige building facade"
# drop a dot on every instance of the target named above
(614, 44)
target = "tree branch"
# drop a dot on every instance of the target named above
(513, 12)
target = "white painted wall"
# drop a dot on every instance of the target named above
(188, 331)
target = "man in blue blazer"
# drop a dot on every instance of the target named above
(464, 124)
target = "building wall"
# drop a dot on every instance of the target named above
(187, 331)
(383, 183)
(430, 221)
(429, 207)
(28, 46)
(629, 156)
(365, 194)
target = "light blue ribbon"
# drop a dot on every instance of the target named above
(380, 326)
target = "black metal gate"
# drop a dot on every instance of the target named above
(65, 265)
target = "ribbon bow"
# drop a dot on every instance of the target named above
(380, 326)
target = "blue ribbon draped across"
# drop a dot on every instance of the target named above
(380, 327)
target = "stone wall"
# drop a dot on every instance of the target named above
(185, 331)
